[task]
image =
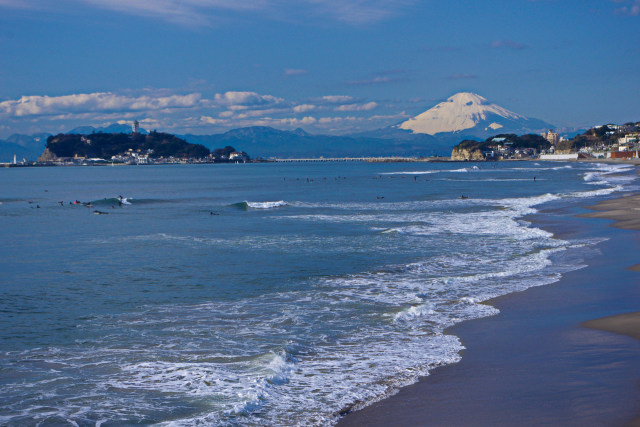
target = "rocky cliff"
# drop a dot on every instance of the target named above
(47, 156)
(467, 153)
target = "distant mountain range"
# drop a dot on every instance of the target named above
(261, 141)
(112, 128)
(433, 132)
(22, 146)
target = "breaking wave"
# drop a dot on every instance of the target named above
(259, 205)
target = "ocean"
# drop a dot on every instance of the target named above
(261, 294)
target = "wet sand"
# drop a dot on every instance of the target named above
(534, 363)
(625, 324)
(624, 211)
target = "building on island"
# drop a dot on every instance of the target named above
(552, 137)
(238, 157)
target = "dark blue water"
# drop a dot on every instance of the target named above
(260, 293)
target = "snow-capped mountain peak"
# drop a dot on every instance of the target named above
(465, 111)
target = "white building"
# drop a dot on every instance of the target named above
(573, 156)
(552, 137)
(628, 139)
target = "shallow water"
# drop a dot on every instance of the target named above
(262, 293)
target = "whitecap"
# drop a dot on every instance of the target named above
(266, 205)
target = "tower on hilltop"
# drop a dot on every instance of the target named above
(135, 126)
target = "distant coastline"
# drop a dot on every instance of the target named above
(602, 143)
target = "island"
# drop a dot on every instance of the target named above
(120, 148)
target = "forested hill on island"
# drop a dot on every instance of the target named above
(107, 146)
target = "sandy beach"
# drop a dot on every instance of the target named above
(624, 211)
(549, 357)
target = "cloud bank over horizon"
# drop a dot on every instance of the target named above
(191, 112)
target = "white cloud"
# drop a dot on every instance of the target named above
(204, 12)
(357, 107)
(234, 99)
(297, 122)
(334, 120)
(93, 102)
(258, 113)
(631, 9)
(358, 12)
(337, 99)
(187, 12)
(17, 4)
(213, 121)
(303, 108)
(401, 115)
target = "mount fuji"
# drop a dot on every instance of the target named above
(471, 114)
(464, 115)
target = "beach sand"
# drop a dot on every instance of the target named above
(625, 212)
(625, 324)
(534, 363)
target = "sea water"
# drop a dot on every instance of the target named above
(260, 294)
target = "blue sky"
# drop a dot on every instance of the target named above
(328, 66)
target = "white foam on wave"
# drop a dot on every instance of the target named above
(596, 193)
(413, 312)
(266, 205)
(411, 173)
(462, 170)
(615, 177)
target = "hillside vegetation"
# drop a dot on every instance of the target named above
(106, 145)
(536, 142)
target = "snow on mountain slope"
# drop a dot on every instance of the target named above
(465, 111)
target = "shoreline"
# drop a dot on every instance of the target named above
(632, 161)
(504, 376)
